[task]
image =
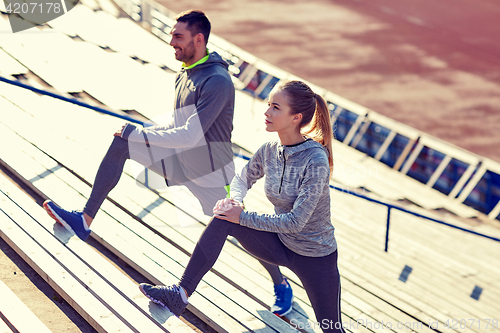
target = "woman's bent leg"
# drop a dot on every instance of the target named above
(274, 272)
(321, 280)
(265, 246)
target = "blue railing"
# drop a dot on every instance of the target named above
(391, 206)
(74, 101)
(133, 120)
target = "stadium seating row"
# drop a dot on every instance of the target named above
(15, 316)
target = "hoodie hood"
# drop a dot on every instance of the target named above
(213, 59)
(290, 150)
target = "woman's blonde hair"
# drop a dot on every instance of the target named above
(314, 110)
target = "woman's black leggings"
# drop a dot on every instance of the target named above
(319, 275)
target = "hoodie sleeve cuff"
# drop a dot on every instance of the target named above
(244, 218)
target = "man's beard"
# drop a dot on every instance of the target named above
(187, 53)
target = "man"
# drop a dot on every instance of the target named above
(193, 150)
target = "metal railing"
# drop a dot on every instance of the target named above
(391, 206)
(133, 120)
(72, 100)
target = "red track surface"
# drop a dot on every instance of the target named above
(432, 64)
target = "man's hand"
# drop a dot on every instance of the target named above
(229, 210)
(120, 131)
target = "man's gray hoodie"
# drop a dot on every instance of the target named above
(200, 130)
(297, 184)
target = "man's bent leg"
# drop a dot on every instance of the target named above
(207, 196)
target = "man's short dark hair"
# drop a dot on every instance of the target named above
(197, 22)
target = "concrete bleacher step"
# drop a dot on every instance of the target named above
(450, 247)
(444, 293)
(16, 316)
(446, 304)
(464, 251)
(408, 248)
(99, 73)
(9, 66)
(107, 299)
(121, 35)
(441, 282)
(365, 277)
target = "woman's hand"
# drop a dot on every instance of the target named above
(120, 131)
(229, 210)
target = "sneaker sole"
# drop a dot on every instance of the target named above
(156, 301)
(56, 217)
(287, 311)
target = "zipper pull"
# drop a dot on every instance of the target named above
(283, 174)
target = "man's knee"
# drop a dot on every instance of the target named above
(119, 146)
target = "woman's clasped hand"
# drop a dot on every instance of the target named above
(229, 210)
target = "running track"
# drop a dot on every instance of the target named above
(432, 64)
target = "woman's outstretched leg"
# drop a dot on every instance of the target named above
(264, 245)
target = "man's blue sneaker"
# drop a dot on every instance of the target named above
(73, 221)
(283, 299)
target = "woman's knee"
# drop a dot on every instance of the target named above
(218, 223)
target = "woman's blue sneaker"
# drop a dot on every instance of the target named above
(73, 221)
(283, 299)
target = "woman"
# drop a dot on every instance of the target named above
(299, 235)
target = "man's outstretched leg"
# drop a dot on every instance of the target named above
(107, 177)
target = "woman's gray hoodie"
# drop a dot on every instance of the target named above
(297, 184)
